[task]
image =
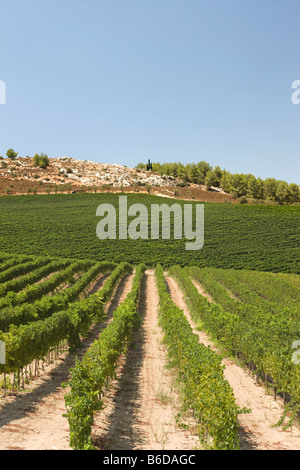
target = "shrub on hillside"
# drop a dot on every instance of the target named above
(41, 160)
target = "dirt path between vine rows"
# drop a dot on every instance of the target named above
(142, 404)
(256, 431)
(32, 419)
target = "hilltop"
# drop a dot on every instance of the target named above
(66, 174)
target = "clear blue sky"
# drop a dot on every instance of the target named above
(118, 81)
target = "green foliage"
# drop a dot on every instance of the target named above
(205, 389)
(22, 282)
(238, 184)
(213, 177)
(27, 342)
(41, 160)
(40, 308)
(11, 154)
(259, 331)
(254, 316)
(257, 237)
(20, 269)
(90, 374)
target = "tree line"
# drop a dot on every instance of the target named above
(240, 185)
(41, 160)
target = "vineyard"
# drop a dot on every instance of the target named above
(264, 238)
(57, 308)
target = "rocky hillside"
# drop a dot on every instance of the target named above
(67, 174)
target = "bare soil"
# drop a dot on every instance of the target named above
(21, 176)
(142, 402)
(32, 419)
(141, 407)
(256, 428)
(202, 290)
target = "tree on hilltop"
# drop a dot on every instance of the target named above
(11, 154)
(41, 160)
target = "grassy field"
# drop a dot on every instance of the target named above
(261, 237)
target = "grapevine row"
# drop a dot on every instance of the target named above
(10, 261)
(258, 289)
(10, 290)
(25, 343)
(90, 375)
(268, 286)
(256, 336)
(44, 307)
(23, 268)
(205, 389)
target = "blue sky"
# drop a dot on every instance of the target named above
(121, 81)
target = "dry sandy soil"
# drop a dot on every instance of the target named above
(141, 404)
(21, 176)
(256, 431)
(32, 420)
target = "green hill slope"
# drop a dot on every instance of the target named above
(259, 237)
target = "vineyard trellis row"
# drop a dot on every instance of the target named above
(45, 306)
(27, 342)
(261, 337)
(18, 290)
(90, 374)
(47, 302)
(206, 391)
